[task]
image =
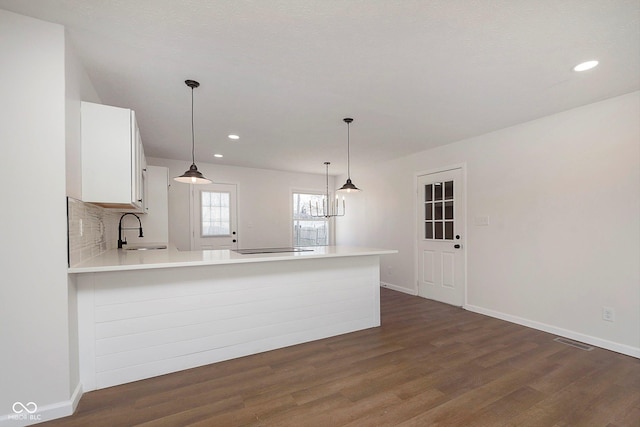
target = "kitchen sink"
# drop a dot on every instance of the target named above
(144, 248)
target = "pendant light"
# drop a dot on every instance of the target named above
(192, 176)
(348, 186)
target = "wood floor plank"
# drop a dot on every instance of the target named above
(455, 411)
(427, 364)
(407, 409)
(504, 409)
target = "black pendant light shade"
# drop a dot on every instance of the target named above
(348, 186)
(193, 175)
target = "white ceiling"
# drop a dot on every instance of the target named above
(414, 74)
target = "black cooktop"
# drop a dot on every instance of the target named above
(270, 250)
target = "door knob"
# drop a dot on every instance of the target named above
(456, 246)
(234, 240)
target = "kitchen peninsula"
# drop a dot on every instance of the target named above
(148, 313)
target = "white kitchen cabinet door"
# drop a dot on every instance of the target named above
(155, 224)
(112, 158)
(139, 171)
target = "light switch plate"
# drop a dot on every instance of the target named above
(608, 314)
(481, 220)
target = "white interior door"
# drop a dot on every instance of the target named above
(214, 217)
(440, 237)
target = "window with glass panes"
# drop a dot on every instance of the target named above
(308, 230)
(215, 213)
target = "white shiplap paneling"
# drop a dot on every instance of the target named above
(151, 322)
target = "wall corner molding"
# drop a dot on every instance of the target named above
(44, 413)
(399, 288)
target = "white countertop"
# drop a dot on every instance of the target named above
(121, 260)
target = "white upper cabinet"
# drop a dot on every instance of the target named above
(113, 162)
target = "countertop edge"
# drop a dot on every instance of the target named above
(243, 260)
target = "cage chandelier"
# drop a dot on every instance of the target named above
(329, 210)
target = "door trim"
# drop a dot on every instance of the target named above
(416, 261)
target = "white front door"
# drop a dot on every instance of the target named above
(441, 236)
(213, 217)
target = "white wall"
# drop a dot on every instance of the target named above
(78, 88)
(34, 332)
(264, 201)
(563, 197)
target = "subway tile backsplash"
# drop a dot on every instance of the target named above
(92, 230)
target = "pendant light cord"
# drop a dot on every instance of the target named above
(193, 143)
(348, 151)
(348, 186)
(327, 169)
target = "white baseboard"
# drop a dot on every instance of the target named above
(44, 412)
(576, 336)
(398, 288)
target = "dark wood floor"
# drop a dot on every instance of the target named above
(428, 364)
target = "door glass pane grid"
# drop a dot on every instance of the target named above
(215, 213)
(439, 211)
(448, 190)
(437, 187)
(428, 193)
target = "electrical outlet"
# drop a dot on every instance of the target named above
(608, 314)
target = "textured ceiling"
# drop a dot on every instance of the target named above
(282, 74)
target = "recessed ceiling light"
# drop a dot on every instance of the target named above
(234, 137)
(218, 155)
(585, 66)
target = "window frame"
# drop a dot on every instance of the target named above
(228, 222)
(329, 221)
